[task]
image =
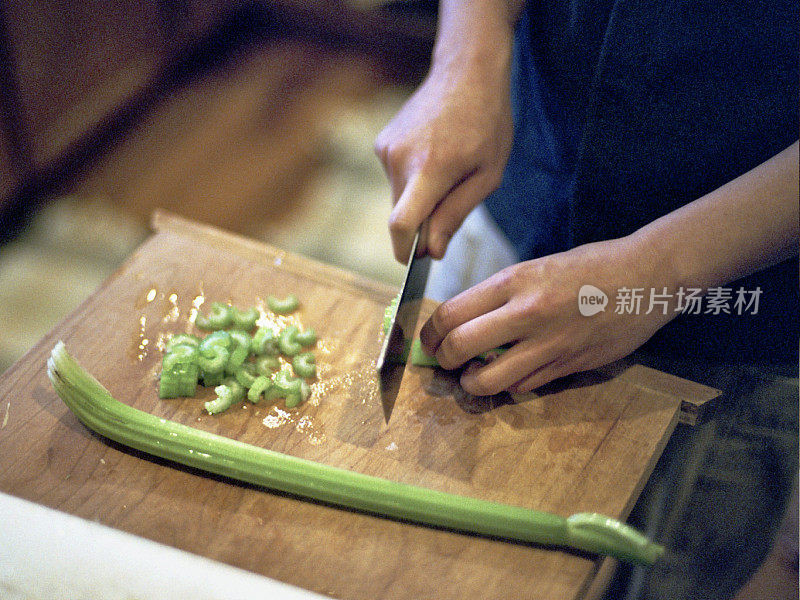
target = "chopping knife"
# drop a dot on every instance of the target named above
(391, 365)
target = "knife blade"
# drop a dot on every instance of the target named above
(391, 365)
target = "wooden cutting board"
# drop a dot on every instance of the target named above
(588, 444)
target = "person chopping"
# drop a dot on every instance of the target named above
(644, 150)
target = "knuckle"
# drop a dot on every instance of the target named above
(431, 160)
(379, 148)
(380, 142)
(528, 307)
(443, 318)
(438, 156)
(383, 141)
(503, 280)
(393, 153)
(469, 149)
(399, 224)
(453, 350)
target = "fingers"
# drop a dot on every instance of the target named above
(474, 337)
(473, 303)
(542, 376)
(422, 187)
(525, 361)
(528, 366)
(393, 164)
(447, 205)
(417, 200)
(450, 213)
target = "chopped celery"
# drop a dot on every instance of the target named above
(287, 341)
(235, 362)
(305, 365)
(283, 306)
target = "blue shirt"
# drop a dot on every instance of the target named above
(626, 110)
(555, 50)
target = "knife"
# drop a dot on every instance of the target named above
(391, 365)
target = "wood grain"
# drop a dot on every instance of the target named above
(588, 443)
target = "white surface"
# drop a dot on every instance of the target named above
(50, 555)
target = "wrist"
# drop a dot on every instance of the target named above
(655, 272)
(676, 259)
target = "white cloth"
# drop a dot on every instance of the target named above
(477, 250)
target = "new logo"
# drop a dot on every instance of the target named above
(591, 300)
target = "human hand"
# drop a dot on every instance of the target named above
(446, 149)
(533, 306)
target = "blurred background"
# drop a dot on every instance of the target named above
(257, 117)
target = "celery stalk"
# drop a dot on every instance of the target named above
(99, 411)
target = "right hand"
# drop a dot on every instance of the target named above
(446, 149)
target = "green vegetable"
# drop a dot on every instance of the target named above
(416, 355)
(414, 352)
(222, 358)
(240, 339)
(267, 365)
(179, 381)
(181, 339)
(100, 412)
(179, 372)
(213, 360)
(292, 389)
(419, 357)
(219, 317)
(260, 384)
(217, 338)
(389, 313)
(283, 306)
(264, 342)
(246, 374)
(299, 396)
(240, 350)
(306, 338)
(212, 379)
(228, 393)
(179, 355)
(305, 365)
(244, 320)
(287, 341)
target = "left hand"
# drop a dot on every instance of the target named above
(534, 306)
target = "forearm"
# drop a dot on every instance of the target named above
(478, 32)
(744, 226)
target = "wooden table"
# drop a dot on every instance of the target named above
(587, 444)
